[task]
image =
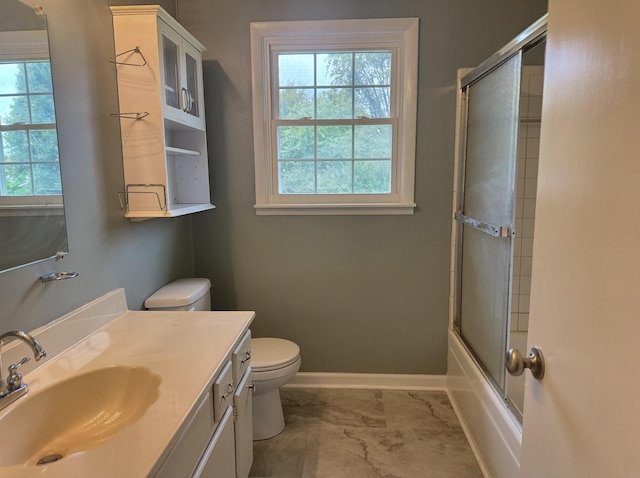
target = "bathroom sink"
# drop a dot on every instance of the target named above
(75, 415)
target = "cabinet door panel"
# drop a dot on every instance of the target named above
(243, 403)
(218, 459)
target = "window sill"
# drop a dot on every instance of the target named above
(31, 210)
(334, 209)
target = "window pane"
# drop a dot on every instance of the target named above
(372, 177)
(334, 177)
(18, 178)
(335, 103)
(373, 102)
(373, 68)
(373, 141)
(296, 177)
(46, 179)
(335, 69)
(296, 142)
(44, 145)
(42, 110)
(14, 109)
(296, 103)
(295, 69)
(39, 77)
(335, 142)
(15, 147)
(12, 78)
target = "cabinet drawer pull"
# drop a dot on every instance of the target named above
(247, 357)
(230, 390)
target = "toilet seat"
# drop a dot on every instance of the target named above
(273, 354)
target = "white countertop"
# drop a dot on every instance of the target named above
(186, 349)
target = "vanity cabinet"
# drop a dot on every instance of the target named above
(218, 440)
(161, 112)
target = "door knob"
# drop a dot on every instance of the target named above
(516, 362)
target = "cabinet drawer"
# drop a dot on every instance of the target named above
(185, 456)
(223, 392)
(241, 357)
(218, 459)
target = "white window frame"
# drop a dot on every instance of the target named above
(28, 45)
(399, 35)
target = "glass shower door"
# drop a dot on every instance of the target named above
(487, 215)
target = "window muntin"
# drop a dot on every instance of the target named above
(29, 159)
(324, 102)
(334, 116)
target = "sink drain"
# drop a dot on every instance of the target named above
(45, 460)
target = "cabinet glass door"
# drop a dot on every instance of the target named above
(192, 95)
(171, 72)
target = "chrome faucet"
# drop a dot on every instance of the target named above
(13, 388)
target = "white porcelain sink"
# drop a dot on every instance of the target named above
(75, 415)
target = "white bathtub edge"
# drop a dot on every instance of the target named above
(492, 431)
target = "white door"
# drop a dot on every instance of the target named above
(583, 418)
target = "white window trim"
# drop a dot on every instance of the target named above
(399, 33)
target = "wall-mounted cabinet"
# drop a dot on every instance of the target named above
(164, 146)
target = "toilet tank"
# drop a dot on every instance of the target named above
(181, 294)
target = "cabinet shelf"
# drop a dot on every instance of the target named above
(181, 152)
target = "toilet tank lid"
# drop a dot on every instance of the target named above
(178, 293)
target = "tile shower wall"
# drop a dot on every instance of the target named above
(527, 181)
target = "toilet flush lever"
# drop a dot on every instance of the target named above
(516, 362)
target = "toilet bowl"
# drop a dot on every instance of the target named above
(273, 361)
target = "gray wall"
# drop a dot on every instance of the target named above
(107, 250)
(357, 293)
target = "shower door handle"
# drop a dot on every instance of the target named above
(491, 229)
(516, 362)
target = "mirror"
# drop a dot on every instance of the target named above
(32, 221)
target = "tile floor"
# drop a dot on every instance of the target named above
(338, 433)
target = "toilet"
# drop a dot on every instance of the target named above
(274, 362)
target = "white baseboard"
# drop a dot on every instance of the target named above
(368, 381)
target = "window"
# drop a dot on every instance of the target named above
(335, 116)
(29, 159)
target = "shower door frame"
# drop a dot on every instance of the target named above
(529, 38)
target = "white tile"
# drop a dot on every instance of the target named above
(520, 193)
(525, 266)
(515, 305)
(513, 323)
(527, 247)
(521, 168)
(531, 168)
(517, 246)
(533, 130)
(519, 207)
(529, 209)
(523, 304)
(525, 85)
(528, 227)
(516, 266)
(530, 188)
(535, 106)
(515, 284)
(523, 322)
(536, 84)
(533, 148)
(525, 284)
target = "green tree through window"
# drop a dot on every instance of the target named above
(29, 159)
(336, 137)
